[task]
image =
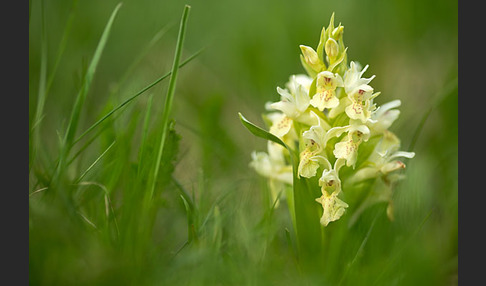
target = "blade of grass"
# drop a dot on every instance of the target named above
(86, 144)
(170, 95)
(134, 97)
(66, 143)
(95, 162)
(108, 203)
(183, 193)
(140, 56)
(190, 220)
(88, 78)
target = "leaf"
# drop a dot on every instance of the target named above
(259, 132)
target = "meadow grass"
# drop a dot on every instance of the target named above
(157, 191)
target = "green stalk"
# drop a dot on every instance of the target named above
(170, 96)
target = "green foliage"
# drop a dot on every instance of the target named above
(210, 221)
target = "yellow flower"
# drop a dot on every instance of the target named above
(326, 85)
(333, 207)
(348, 147)
(293, 104)
(383, 159)
(316, 139)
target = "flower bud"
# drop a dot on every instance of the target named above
(337, 33)
(311, 58)
(332, 49)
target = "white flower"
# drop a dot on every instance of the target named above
(326, 84)
(348, 147)
(293, 103)
(309, 163)
(352, 78)
(329, 181)
(315, 140)
(361, 105)
(383, 159)
(384, 116)
(333, 207)
(281, 124)
(298, 79)
(272, 165)
(360, 94)
(321, 133)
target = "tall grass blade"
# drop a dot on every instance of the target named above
(170, 95)
(134, 97)
(88, 78)
(95, 162)
(73, 121)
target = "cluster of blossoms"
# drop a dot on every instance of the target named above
(329, 116)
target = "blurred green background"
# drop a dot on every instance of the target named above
(250, 48)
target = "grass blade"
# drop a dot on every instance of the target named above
(133, 97)
(140, 56)
(94, 163)
(73, 121)
(170, 95)
(88, 78)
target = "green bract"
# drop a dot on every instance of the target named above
(329, 121)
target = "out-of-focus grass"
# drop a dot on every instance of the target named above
(251, 47)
